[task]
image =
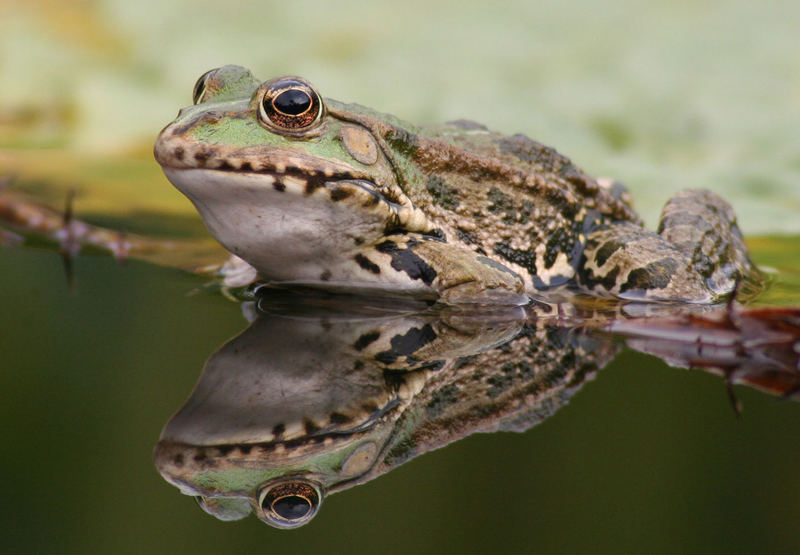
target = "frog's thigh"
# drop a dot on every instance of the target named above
(458, 274)
(625, 260)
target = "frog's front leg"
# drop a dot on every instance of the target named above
(456, 274)
(698, 254)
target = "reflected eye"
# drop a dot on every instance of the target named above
(200, 86)
(290, 104)
(289, 504)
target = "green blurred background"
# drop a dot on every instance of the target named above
(662, 96)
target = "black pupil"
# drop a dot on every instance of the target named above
(292, 102)
(291, 507)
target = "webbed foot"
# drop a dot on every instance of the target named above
(698, 254)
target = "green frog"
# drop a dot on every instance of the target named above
(314, 192)
(313, 400)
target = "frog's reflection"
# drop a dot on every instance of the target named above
(312, 399)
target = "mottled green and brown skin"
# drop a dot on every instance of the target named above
(342, 197)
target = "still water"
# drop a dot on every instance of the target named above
(623, 454)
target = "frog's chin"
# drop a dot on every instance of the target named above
(281, 225)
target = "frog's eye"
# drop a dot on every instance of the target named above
(199, 91)
(289, 503)
(290, 104)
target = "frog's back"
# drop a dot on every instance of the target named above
(513, 198)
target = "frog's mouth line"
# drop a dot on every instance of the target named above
(174, 450)
(340, 186)
(215, 186)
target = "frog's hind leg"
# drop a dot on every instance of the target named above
(698, 254)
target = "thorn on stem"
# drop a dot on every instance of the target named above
(737, 407)
(69, 243)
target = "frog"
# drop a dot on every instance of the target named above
(302, 405)
(313, 192)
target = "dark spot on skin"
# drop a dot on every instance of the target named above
(386, 357)
(466, 236)
(312, 186)
(225, 165)
(325, 276)
(278, 186)
(225, 449)
(526, 371)
(372, 200)
(512, 211)
(501, 202)
(339, 418)
(200, 456)
(498, 383)
(568, 360)
(568, 210)
(201, 157)
(278, 430)
(437, 234)
(367, 264)
(178, 153)
(405, 260)
(358, 365)
(703, 264)
(561, 240)
(358, 241)
(366, 339)
(340, 193)
(605, 252)
(523, 258)
(442, 194)
(246, 167)
(655, 275)
(607, 282)
(442, 398)
(404, 345)
(178, 460)
(310, 427)
(245, 449)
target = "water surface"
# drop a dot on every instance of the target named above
(643, 455)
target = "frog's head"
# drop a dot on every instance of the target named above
(286, 180)
(285, 414)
